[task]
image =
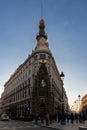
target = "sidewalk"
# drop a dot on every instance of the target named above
(67, 126)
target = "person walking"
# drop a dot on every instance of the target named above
(42, 118)
(47, 119)
(76, 117)
(72, 118)
(36, 118)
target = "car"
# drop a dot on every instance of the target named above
(4, 117)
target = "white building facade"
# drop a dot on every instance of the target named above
(36, 85)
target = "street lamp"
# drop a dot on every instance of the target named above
(63, 114)
(79, 102)
(76, 106)
(62, 76)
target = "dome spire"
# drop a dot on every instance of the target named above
(41, 10)
(41, 30)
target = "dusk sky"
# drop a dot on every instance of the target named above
(66, 27)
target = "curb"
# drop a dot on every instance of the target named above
(49, 127)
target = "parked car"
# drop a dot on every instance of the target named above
(4, 117)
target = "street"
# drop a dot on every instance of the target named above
(20, 125)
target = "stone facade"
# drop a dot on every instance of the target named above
(36, 85)
(84, 104)
(0, 107)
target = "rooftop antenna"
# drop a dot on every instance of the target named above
(41, 10)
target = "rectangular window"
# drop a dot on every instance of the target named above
(42, 56)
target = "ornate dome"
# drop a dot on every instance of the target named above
(42, 22)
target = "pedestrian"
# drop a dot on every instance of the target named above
(68, 117)
(59, 117)
(36, 118)
(83, 118)
(42, 118)
(76, 117)
(72, 118)
(47, 119)
(80, 117)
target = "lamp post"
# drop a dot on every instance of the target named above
(63, 113)
(76, 106)
(79, 102)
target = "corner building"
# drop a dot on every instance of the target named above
(84, 105)
(35, 86)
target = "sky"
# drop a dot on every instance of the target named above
(66, 27)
